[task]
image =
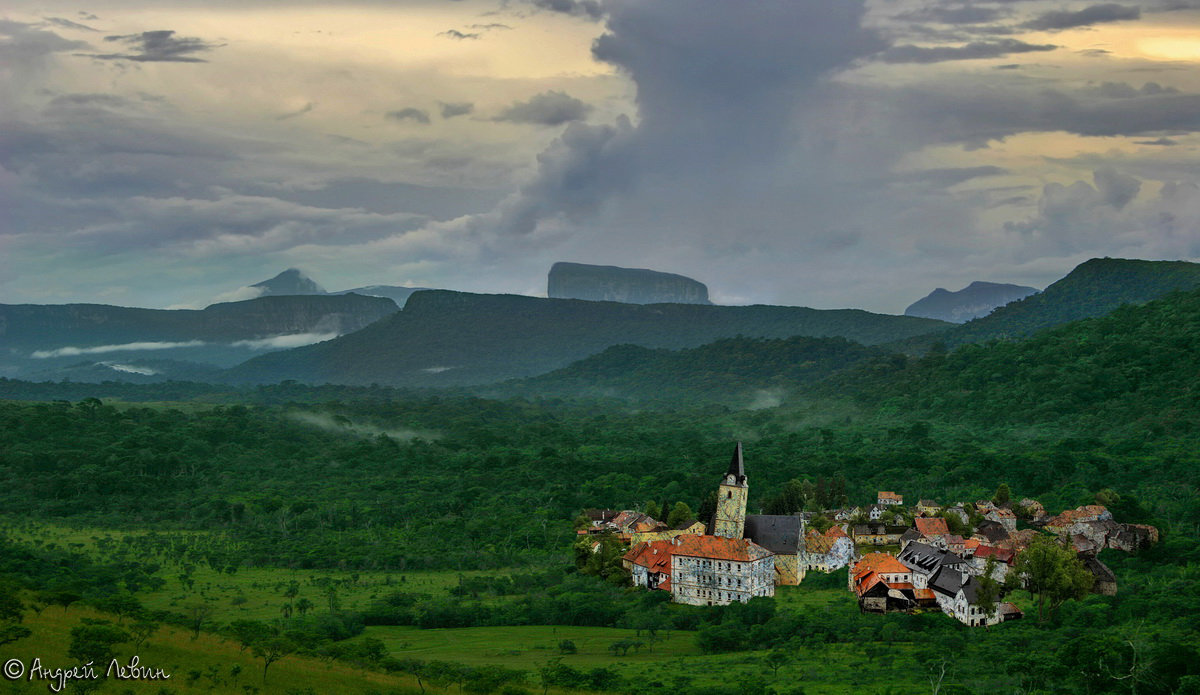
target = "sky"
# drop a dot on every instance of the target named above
(857, 153)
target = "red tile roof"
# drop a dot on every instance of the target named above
(836, 532)
(717, 548)
(1004, 555)
(888, 495)
(933, 526)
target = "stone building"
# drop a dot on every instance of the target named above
(783, 536)
(713, 570)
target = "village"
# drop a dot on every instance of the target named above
(900, 557)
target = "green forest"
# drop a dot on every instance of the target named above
(201, 486)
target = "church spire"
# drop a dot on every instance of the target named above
(737, 468)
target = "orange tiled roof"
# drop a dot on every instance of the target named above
(654, 556)
(717, 548)
(889, 495)
(971, 543)
(924, 594)
(933, 526)
(881, 563)
(836, 532)
(1002, 513)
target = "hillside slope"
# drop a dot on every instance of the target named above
(1133, 370)
(446, 338)
(736, 371)
(1093, 288)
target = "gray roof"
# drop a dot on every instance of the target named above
(779, 534)
(921, 556)
(992, 531)
(947, 581)
(1099, 569)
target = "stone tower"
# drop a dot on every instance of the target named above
(730, 519)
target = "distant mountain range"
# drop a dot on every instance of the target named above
(608, 283)
(444, 338)
(294, 282)
(41, 340)
(973, 301)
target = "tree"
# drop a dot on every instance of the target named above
(653, 510)
(94, 641)
(987, 590)
(304, 605)
(1052, 574)
(776, 659)
(679, 514)
(567, 647)
(122, 603)
(271, 650)
(141, 631)
(250, 632)
(198, 614)
(1003, 495)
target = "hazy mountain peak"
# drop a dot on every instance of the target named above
(290, 281)
(973, 301)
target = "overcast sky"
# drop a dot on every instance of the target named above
(808, 152)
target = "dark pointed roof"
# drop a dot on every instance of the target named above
(737, 468)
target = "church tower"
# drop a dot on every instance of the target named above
(730, 519)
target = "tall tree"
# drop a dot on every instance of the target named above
(1052, 574)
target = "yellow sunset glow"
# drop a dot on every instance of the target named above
(1170, 48)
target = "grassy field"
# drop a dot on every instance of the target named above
(208, 664)
(673, 660)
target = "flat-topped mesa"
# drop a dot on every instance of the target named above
(606, 283)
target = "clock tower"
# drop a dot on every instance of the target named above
(730, 519)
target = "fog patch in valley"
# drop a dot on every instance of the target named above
(70, 351)
(340, 423)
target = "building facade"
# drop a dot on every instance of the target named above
(711, 570)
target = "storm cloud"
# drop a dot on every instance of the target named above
(161, 46)
(549, 108)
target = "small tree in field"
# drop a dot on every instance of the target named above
(271, 650)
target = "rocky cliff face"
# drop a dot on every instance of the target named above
(606, 283)
(975, 300)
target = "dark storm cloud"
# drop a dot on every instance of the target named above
(1116, 189)
(1124, 90)
(409, 114)
(456, 108)
(548, 108)
(966, 14)
(951, 176)
(459, 35)
(591, 9)
(718, 97)
(21, 42)
(1160, 142)
(977, 50)
(974, 113)
(1096, 14)
(68, 24)
(298, 112)
(161, 46)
